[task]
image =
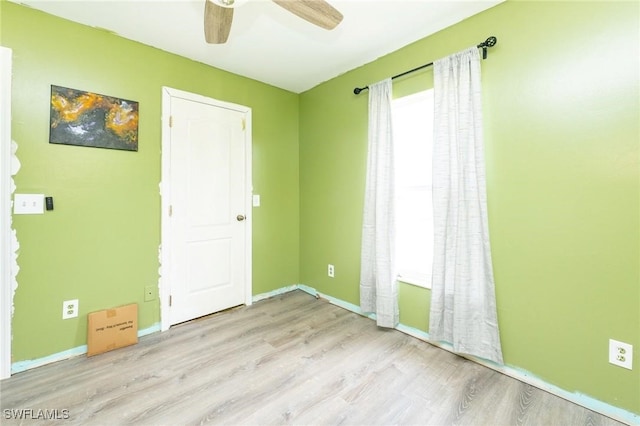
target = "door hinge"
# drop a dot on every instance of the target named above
(170, 211)
(244, 124)
(171, 121)
(170, 300)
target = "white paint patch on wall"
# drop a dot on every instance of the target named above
(15, 244)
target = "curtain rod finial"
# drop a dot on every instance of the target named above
(357, 90)
(490, 42)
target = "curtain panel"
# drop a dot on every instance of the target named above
(463, 304)
(378, 286)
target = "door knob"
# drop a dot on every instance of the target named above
(240, 217)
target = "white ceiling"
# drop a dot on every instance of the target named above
(267, 43)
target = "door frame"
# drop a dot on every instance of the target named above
(6, 281)
(164, 284)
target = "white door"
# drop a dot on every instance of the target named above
(208, 222)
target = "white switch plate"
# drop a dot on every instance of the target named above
(28, 204)
(256, 200)
(621, 354)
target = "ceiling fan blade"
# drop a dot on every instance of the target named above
(317, 12)
(217, 22)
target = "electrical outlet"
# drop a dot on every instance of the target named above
(70, 309)
(331, 270)
(149, 293)
(620, 354)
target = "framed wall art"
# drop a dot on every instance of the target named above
(90, 119)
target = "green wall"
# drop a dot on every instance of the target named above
(562, 133)
(101, 242)
(562, 129)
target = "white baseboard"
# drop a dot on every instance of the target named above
(524, 376)
(282, 290)
(20, 366)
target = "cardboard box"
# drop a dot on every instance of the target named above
(112, 328)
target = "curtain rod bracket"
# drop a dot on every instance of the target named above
(489, 42)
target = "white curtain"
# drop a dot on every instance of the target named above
(463, 304)
(378, 286)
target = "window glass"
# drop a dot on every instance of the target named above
(413, 137)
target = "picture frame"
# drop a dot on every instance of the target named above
(84, 118)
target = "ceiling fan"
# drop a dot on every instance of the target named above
(218, 16)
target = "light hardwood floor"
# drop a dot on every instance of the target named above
(291, 359)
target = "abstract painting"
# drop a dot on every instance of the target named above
(89, 119)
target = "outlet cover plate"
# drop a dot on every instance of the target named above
(69, 309)
(331, 271)
(621, 354)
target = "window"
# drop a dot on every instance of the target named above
(413, 137)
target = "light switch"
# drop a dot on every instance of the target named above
(256, 200)
(28, 204)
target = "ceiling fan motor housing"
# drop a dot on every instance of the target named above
(230, 3)
(218, 15)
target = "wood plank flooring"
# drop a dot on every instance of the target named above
(291, 359)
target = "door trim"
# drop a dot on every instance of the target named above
(164, 285)
(6, 290)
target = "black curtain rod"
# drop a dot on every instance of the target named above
(490, 42)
